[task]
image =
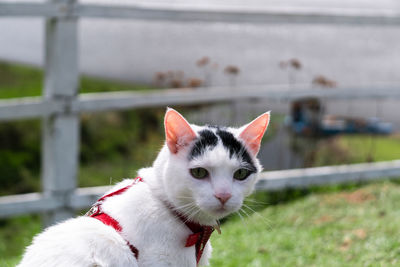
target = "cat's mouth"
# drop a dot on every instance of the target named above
(217, 211)
(221, 209)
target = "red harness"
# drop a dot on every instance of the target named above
(199, 238)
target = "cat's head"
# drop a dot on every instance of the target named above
(207, 171)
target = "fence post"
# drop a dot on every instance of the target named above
(60, 133)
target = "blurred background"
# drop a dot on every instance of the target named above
(332, 86)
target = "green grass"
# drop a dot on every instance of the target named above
(352, 228)
(15, 235)
(21, 81)
(380, 148)
(349, 149)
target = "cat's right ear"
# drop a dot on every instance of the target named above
(178, 132)
(253, 132)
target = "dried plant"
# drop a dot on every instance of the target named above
(179, 75)
(194, 82)
(176, 79)
(203, 61)
(232, 70)
(176, 83)
(322, 81)
(293, 63)
(170, 74)
(208, 68)
(159, 79)
(292, 66)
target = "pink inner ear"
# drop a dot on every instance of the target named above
(178, 132)
(254, 132)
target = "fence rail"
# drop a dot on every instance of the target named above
(269, 181)
(61, 103)
(31, 107)
(306, 177)
(63, 9)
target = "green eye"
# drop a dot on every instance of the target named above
(241, 174)
(199, 173)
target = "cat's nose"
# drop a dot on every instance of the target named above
(223, 197)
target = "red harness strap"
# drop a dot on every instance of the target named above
(199, 238)
(97, 213)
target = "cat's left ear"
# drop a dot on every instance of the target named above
(253, 132)
(178, 132)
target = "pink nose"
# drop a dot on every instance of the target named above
(223, 197)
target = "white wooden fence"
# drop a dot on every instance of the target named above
(60, 105)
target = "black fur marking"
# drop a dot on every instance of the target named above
(207, 139)
(235, 147)
(213, 126)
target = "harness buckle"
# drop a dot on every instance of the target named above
(94, 210)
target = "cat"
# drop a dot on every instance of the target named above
(165, 216)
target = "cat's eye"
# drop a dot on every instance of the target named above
(199, 173)
(241, 174)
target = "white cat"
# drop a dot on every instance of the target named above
(165, 217)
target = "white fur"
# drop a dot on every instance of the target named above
(145, 220)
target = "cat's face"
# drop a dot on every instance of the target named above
(211, 169)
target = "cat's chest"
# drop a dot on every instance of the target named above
(152, 228)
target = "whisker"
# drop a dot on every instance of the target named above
(247, 206)
(183, 197)
(243, 220)
(267, 222)
(191, 216)
(256, 201)
(248, 215)
(240, 215)
(188, 210)
(183, 206)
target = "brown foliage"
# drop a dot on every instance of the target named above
(194, 82)
(202, 61)
(232, 70)
(322, 81)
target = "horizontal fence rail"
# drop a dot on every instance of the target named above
(30, 107)
(193, 14)
(269, 181)
(37, 203)
(306, 177)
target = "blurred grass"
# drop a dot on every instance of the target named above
(373, 148)
(18, 80)
(351, 228)
(357, 149)
(15, 235)
(347, 149)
